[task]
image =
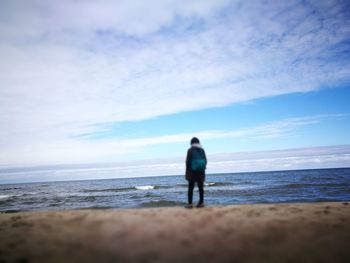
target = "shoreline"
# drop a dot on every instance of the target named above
(287, 232)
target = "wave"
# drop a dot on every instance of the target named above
(122, 189)
(10, 188)
(4, 197)
(209, 184)
(145, 187)
(217, 184)
(147, 194)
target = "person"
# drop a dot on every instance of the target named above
(196, 162)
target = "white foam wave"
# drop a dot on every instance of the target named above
(145, 187)
(209, 184)
(3, 197)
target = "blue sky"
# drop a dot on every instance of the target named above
(321, 118)
(118, 81)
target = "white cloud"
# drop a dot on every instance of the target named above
(130, 17)
(289, 159)
(73, 150)
(67, 66)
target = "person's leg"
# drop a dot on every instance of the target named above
(190, 191)
(201, 191)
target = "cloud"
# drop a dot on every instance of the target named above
(289, 159)
(275, 129)
(69, 67)
(72, 150)
(129, 17)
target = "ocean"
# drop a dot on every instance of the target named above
(163, 191)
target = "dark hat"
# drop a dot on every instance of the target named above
(194, 140)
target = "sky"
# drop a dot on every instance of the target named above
(100, 82)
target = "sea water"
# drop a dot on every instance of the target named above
(162, 191)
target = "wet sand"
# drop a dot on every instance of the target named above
(315, 232)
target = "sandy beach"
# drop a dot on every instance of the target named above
(315, 232)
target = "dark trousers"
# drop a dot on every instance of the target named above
(190, 191)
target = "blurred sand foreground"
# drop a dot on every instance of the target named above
(316, 232)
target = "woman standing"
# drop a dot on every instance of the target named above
(196, 162)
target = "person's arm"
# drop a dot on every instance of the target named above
(188, 159)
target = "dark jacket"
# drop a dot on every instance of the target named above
(191, 175)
